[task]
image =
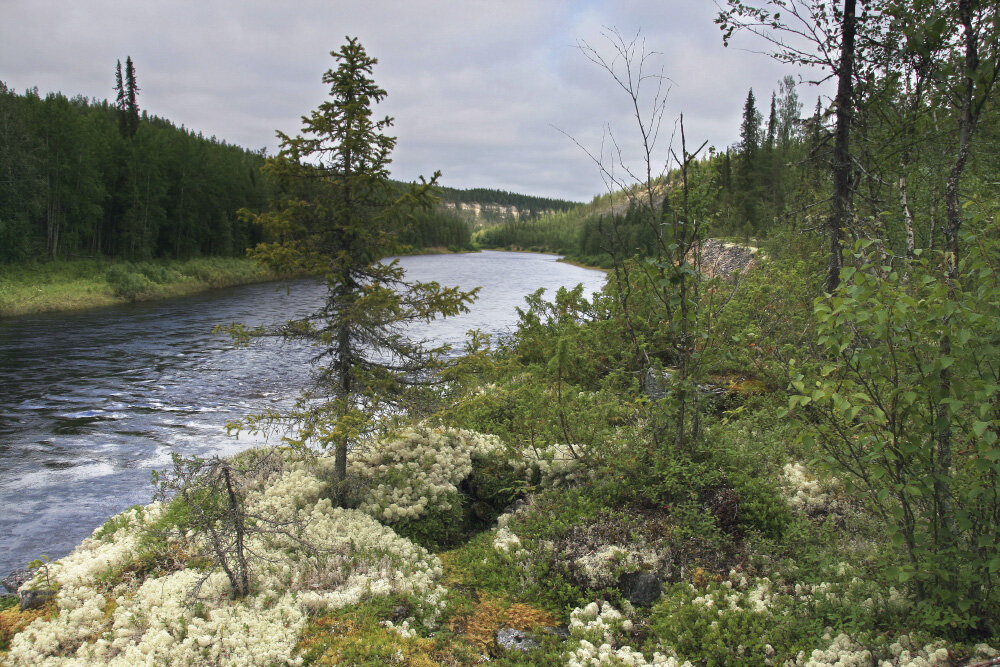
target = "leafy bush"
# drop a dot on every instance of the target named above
(907, 411)
(126, 282)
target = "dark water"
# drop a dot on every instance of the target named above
(91, 402)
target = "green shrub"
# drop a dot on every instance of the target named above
(127, 283)
(443, 524)
(158, 273)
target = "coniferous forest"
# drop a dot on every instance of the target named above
(99, 179)
(85, 178)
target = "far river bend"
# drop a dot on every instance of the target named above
(91, 402)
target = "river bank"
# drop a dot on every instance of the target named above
(30, 289)
(563, 259)
(27, 289)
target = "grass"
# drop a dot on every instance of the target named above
(73, 285)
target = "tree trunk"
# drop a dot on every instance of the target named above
(840, 213)
(953, 212)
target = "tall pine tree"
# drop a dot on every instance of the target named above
(748, 176)
(131, 103)
(336, 221)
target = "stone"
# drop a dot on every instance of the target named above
(399, 613)
(640, 588)
(510, 639)
(515, 506)
(17, 578)
(35, 598)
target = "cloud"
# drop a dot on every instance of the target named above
(479, 89)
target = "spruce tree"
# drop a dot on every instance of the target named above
(131, 104)
(772, 123)
(748, 167)
(120, 100)
(335, 220)
(750, 129)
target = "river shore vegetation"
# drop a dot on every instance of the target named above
(690, 467)
(40, 287)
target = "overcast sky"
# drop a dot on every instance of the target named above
(479, 89)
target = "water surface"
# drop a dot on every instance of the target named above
(91, 402)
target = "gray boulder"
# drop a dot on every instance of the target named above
(17, 578)
(510, 639)
(640, 588)
(32, 599)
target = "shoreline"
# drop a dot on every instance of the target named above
(36, 289)
(562, 258)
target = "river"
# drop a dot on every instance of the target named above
(91, 402)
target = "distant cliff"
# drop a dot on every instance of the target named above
(481, 207)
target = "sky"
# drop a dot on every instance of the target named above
(493, 93)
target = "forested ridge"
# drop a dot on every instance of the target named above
(99, 179)
(777, 178)
(527, 203)
(77, 181)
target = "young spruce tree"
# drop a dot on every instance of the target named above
(334, 219)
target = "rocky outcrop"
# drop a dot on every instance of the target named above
(510, 639)
(719, 258)
(16, 579)
(478, 210)
(641, 589)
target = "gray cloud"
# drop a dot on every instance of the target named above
(478, 88)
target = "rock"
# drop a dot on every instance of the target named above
(640, 588)
(17, 578)
(719, 258)
(510, 639)
(515, 506)
(399, 613)
(35, 598)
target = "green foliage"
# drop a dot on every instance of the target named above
(442, 525)
(107, 531)
(907, 409)
(531, 574)
(494, 484)
(127, 283)
(42, 563)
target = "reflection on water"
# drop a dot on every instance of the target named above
(91, 402)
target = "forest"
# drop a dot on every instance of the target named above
(777, 178)
(99, 179)
(81, 182)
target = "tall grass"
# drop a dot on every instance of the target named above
(69, 285)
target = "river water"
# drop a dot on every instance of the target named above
(91, 402)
